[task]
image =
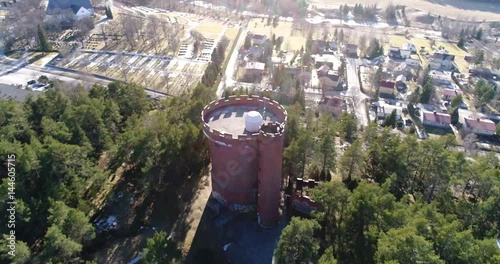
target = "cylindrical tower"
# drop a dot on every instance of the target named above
(235, 127)
(269, 176)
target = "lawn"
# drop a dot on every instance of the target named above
(212, 30)
(435, 132)
(292, 40)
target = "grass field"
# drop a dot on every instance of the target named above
(293, 40)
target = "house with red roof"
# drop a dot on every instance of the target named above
(449, 94)
(436, 119)
(387, 87)
(479, 126)
(333, 105)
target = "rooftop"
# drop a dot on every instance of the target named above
(387, 84)
(437, 117)
(67, 4)
(231, 118)
(333, 102)
(255, 66)
(483, 124)
(12, 92)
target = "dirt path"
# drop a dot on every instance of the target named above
(455, 9)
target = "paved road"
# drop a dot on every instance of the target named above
(354, 91)
(228, 77)
(22, 73)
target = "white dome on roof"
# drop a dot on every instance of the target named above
(253, 121)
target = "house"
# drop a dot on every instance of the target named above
(384, 110)
(323, 70)
(394, 53)
(331, 60)
(449, 94)
(352, 50)
(330, 80)
(255, 52)
(8, 92)
(333, 105)
(253, 71)
(387, 87)
(258, 39)
(436, 119)
(405, 70)
(442, 61)
(483, 127)
(410, 47)
(68, 10)
(469, 58)
(413, 63)
(405, 54)
(441, 78)
(401, 82)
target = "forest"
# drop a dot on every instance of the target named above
(389, 197)
(69, 143)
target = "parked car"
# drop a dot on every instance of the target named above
(31, 82)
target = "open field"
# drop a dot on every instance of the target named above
(293, 39)
(456, 9)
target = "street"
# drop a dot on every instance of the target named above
(354, 91)
(228, 76)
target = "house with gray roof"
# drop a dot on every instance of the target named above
(69, 9)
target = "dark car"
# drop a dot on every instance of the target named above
(31, 82)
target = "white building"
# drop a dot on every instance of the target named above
(68, 9)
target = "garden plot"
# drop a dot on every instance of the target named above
(152, 63)
(142, 61)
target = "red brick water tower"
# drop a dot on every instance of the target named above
(246, 136)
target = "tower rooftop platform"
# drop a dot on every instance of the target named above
(231, 118)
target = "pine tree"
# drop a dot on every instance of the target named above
(42, 40)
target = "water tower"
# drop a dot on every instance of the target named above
(246, 136)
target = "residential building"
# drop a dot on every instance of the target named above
(483, 127)
(253, 71)
(255, 52)
(8, 92)
(436, 119)
(442, 61)
(405, 54)
(394, 53)
(330, 80)
(441, 78)
(449, 94)
(333, 105)
(68, 10)
(411, 47)
(384, 110)
(405, 70)
(258, 39)
(331, 60)
(387, 87)
(413, 63)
